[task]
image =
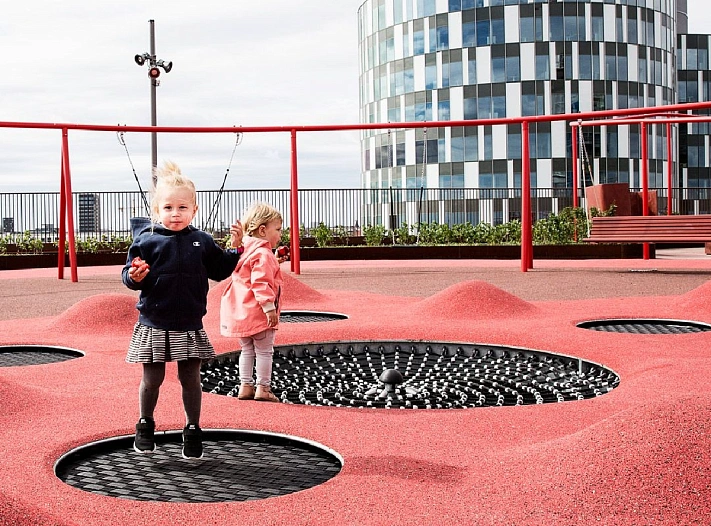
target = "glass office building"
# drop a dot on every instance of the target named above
(434, 60)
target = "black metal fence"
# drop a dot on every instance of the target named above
(108, 214)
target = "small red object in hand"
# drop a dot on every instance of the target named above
(139, 264)
(283, 252)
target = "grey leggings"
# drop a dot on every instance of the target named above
(189, 376)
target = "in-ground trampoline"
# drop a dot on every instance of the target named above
(417, 375)
(238, 465)
(645, 326)
(20, 355)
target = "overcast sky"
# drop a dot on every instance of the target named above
(243, 62)
(240, 62)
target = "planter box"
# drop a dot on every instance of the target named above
(362, 252)
(49, 260)
(578, 251)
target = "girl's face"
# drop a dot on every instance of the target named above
(176, 208)
(271, 232)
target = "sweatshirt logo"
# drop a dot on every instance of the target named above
(196, 243)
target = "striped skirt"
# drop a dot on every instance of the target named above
(151, 345)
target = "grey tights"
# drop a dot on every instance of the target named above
(189, 376)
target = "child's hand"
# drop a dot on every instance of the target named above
(282, 253)
(138, 270)
(236, 233)
(272, 318)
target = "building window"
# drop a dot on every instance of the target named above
(498, 100)
(431, 71)
(423, 106)
(432, 35)
(498, 64)
(442, 32)
(513, 63)
(394, 109)
(542, 62)
(555, 20)
(418, 37)
(471, 66)
(488, 143)
(498, 33)
(443, 105)
(409, 75)
(483, 32)
(470, 102)
(622, 62)
(598, 23)
(527, 31)
(632, 25)
(557, 97)
(400, 148)
(410, 107)
(457, 144)
(484, 101)
(642, 66)
(468, 29)
(471, 143)
(513, 144)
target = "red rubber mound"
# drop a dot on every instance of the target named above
(98, 312)
(696, 301)
(473, 300)
(293, 292)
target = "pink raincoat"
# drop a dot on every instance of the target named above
(253, 290)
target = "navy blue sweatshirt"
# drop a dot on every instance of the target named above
(174, 293)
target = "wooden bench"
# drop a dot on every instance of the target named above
(650, 229)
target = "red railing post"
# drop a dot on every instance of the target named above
(526, 235)
(61, 242)
(574, 143)
(574, 155)
(644, 174)
(294, 230)
(70, 206)
(670, 171)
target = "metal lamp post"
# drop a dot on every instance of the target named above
(154, 67)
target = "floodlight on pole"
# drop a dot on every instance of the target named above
(154, 67)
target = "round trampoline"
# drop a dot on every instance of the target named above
(20, 355)
(417, 375)
(237, 465)
(309, 316)
(645, 326)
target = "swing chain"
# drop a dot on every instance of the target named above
(122, 141)
(216, 204)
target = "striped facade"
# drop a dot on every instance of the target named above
(435, 60)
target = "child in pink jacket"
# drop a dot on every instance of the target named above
(249, 308)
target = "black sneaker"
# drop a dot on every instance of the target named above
(145, 442)
(192, 442)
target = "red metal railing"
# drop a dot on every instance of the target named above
(639, 116)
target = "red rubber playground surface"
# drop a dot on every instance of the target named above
(639, 455)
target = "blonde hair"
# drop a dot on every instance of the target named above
(259, 214)
(168, 178)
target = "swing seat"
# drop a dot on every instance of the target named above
(650, 229)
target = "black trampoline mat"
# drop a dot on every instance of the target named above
(432, 375)
(645, 326)
(20, 355)
(237, 466)
(309, 316)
